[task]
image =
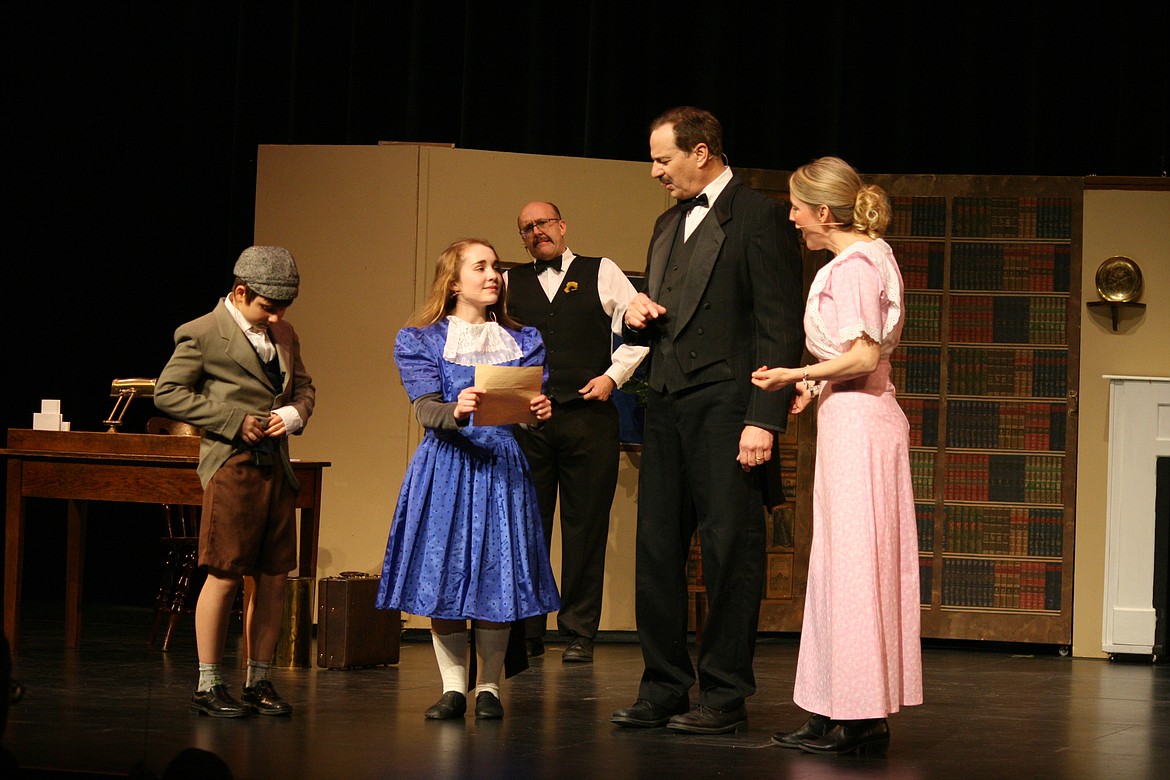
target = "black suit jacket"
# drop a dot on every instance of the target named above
(742, 306)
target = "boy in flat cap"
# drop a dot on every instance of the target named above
(237, 373)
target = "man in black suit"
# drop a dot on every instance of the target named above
(723, 296)
(577, 303)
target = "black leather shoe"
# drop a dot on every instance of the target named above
(814, 728)
(451, 704)
(535, 646)
(872, 736)
(579, 650)
(263, 699)
(646, 714)
(218, 703)
(487, 706)
(707, 720)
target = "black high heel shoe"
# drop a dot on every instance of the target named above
(814, 728)
(846, 736)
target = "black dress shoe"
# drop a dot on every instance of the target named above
(646, 714)
(535, 646)
(848, 735)
(451, 704)
(263, 699)
(487, 706)
(707, 720)
(814, 728)
(218, 703)
(579, 650)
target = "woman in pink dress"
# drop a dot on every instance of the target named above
(860, 655)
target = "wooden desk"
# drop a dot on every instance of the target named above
(140, 468)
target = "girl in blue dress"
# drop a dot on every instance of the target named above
(466, 540)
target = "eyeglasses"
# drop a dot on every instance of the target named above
(531, 227)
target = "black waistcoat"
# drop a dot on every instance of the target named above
(666, 373)
(275, 378)
(576, 330)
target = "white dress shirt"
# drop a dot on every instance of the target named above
(258, 338)
(712, 191)
(615, 293)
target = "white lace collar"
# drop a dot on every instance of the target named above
(471, 344)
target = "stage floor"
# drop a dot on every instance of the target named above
(991, 711)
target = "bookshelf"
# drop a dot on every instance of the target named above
(986, 374)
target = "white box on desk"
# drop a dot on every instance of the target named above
(46, 421)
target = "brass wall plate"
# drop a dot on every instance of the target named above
(1119, 280)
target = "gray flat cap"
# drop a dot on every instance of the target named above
(270, 271)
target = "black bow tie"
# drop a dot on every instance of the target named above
(542, 265)
(690, 203)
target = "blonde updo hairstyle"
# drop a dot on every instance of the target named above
(832, 182)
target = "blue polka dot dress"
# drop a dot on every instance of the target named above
(466, 538)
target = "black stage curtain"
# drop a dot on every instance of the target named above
(131, 128)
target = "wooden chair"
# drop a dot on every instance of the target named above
(169, 427)
(180, 545)
(180, 542)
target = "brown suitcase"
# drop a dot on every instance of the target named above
(351, 631)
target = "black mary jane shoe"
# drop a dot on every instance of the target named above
(487, 706)
(846, 736)
(451, 704)
(814, 728)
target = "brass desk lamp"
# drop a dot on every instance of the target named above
(124, 391)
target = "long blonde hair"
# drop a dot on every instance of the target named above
(832, 182)
(441, 299)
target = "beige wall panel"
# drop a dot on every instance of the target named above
(609, 206)
(366, 224)
(1129, 223)
(349, 215)
(609, 209)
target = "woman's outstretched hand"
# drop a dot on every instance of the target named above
(771, 379)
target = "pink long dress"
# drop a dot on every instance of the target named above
(860, 653)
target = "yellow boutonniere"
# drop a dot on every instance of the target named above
(570, 287)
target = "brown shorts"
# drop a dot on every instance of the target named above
(248, 524)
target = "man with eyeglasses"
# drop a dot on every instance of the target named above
(723, 296)
(577, 303)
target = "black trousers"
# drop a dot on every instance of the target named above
(575, 454)
(690, 478)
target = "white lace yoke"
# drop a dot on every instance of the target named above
(471, 344)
